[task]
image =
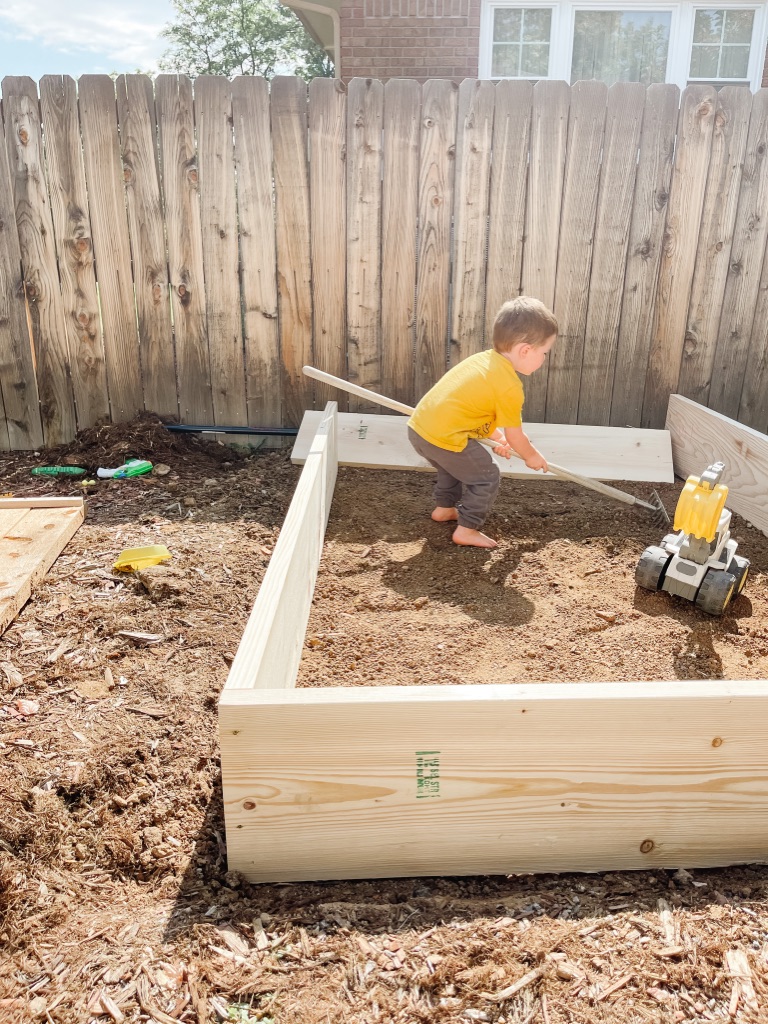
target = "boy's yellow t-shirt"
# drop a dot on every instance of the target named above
(470, 401)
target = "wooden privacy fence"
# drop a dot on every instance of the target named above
(186, 250)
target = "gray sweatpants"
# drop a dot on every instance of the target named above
(467, 480)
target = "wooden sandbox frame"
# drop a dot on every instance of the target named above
(345, 782)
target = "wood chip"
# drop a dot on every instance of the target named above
(625, 980)
(738, 968)
(110, 1007)
(144, 638)
(152, 712)
(233, 939)
(518, 986)
(670, 951)
(668, 922)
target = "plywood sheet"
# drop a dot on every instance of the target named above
(371, 441)
(31, 539)
(701, 436)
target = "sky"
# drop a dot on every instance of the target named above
(81, 37)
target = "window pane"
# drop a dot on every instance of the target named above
(537, 25)
(535, 60)
(738, 26)
(708, 27)
(506, 25)
(620, 46)
(506, 61)
(704, 61)
(734, 62)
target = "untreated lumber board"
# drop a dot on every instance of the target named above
(701, 436)
(31, 539)
(270, 651)
(604, 453)
(403, 781)
(51, 501)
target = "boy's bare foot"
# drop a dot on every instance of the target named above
(472, 538)
(445, 515)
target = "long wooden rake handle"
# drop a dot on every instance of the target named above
(390, 403)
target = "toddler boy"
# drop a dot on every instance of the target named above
(482, 397)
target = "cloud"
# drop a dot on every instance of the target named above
(128, 34)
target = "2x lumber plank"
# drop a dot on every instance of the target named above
(646, 235)
(111, 244)
(701, 436)
(369, 441)
(218, 215)
(586, 127)
(179, 169)
(402, 114)
(136, 111)
(50, 501)
(253, 165)
(270, 650)
(74, 248)
(45, 307)
(436, 187)
(686, 201)
(328, 229)
(493, 779)
(470, 232)
(365, 103)
(549, 135)
(294, 271)
(28, 548)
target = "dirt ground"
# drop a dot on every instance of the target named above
(115, 900)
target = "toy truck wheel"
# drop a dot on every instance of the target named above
(739, 568)
(650, 570)
(716, 590)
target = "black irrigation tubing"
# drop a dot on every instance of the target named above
(190, 428)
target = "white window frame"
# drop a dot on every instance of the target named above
(680, 33)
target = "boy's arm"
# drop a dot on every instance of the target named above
(518, 441)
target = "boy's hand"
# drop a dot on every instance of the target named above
(537, 461)
(503, 449)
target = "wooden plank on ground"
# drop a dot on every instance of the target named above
(494, 779)
(47, 501)
(436, 185)
(624, 118)
(74, 248)
(549, 135)
(270, 649)
(294, 272)
(138, 140)
(509, 182)
(218, 219)
(400, 186)
(111, 245)
(744, 268)
(470, 217)
(701, 436)
(23, 429)
(21, 112)
(178, 157)
(729, 140)
(586, 126)
(686, 200)
(27, 551)
(606, 453)
(328, 229)
(365, 101)
(646, 236)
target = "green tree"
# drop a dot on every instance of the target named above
(241, 37)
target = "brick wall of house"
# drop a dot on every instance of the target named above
(389, 39)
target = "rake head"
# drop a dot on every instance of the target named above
(657, 510)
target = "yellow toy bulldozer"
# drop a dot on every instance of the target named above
(698, 562)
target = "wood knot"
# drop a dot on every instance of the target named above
(156, 292)
(192, 176)
(23, 136)
(717, 741)
(647, 845)
(83, 244)
(127, 174)
(428, 122)
(83, 318)
(249, 805)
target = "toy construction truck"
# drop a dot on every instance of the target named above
(699, 561)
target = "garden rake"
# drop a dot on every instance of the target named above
(654, 506)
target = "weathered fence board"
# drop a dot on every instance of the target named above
(328, 231)
(187, 249)
(45, 307)
(436, 184)
(111, 245)
(136, 113)
(74, 247)
(178, 159)
(586, 126)
(402, 112)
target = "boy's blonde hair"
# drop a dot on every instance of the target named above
(523, 321)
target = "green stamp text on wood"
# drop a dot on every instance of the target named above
(427, 774)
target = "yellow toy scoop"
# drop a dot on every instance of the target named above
(699, 508)
(140, 558)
